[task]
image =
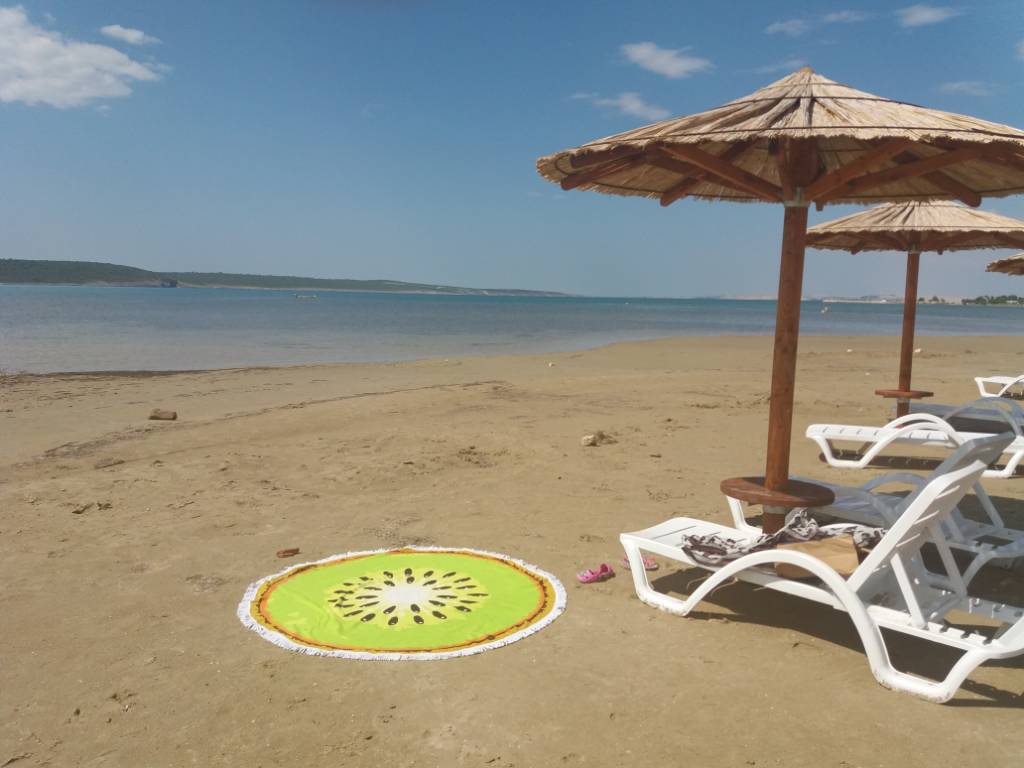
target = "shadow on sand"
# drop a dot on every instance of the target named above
(753, 605)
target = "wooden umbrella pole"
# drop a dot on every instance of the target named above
(787, 332)
(909, 321)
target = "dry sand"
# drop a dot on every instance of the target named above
(121, 646)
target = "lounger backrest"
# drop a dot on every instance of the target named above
(895, 562)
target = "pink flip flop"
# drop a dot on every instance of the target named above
(650, 564)
(591, 576)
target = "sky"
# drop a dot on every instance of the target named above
(397, 139)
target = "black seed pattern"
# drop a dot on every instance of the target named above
(445, 591)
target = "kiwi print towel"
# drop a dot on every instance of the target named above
(402, 604)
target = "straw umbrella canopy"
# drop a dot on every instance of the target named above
(1013, 265)
(802, 139)
(916, 228)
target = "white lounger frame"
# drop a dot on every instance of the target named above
(920, 429)
(891, 589)
(1006, 385)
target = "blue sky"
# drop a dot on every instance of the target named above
(397, 138)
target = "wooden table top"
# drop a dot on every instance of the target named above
(797, 493)
(904, 394)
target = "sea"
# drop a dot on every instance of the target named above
(46, 329)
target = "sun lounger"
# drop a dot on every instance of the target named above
(891, 589)
(1000, 386)
(985, 540)
(990, 415)
(918, 429)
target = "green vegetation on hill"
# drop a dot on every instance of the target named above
(1009, 299)
(32, 271)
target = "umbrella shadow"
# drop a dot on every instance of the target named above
(757, 605)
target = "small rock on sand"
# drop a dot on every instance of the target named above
(598, 438)
(108, 462)
(289, 552)
(159, 414)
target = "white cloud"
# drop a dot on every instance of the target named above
(920, 15)
(129, 35)
(628, 103)
(968, 87)
(38, 66)
(791, 27)
(789, 65)
(674, 63)
(845, 17)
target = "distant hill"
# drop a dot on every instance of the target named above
(32, 271)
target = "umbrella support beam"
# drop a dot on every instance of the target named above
(909, 322)
(787, 332)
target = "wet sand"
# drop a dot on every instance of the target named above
(122, 647)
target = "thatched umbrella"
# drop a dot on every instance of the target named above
(799, 140)
(916, 228)
(1013, 265)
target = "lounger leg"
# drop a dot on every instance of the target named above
(655, 599)
(642, 584)
(1012, 464)
(940, 691)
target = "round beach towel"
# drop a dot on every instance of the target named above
(408, 603)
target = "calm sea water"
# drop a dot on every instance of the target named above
(84, 328)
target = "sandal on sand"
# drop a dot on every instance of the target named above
(590, 576)
(650, 564)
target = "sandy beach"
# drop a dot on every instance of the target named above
(127, 544)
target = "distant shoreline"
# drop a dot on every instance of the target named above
(307, 289)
